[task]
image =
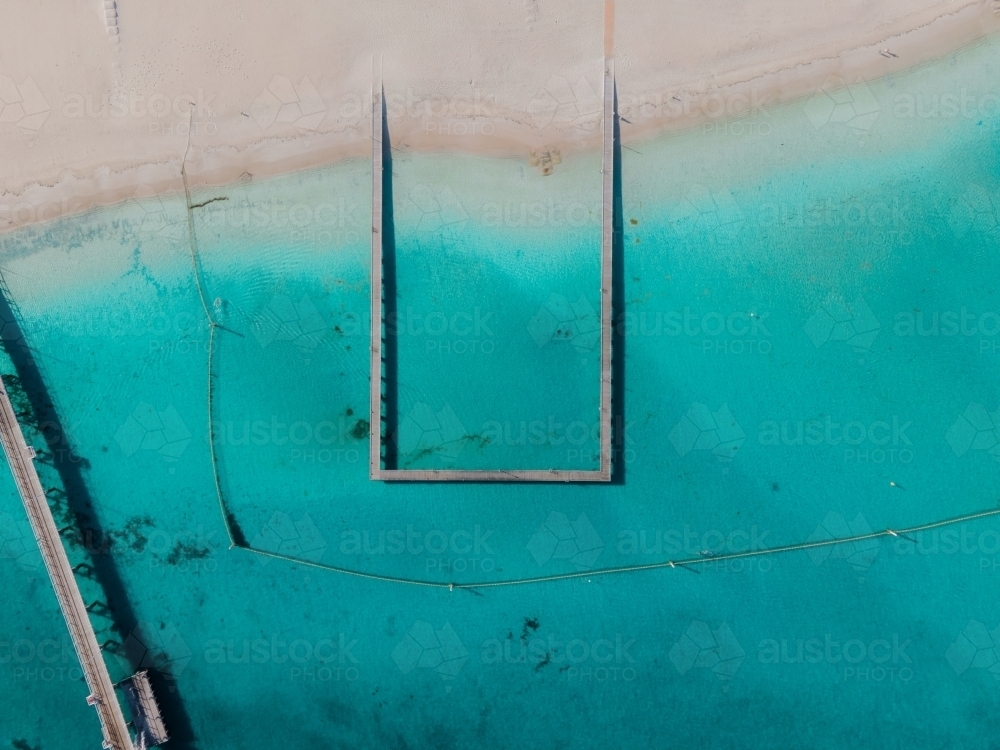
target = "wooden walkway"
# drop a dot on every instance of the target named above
(607, 259)
(102, 692)
(376, 421)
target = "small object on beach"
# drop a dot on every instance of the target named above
(545, 160)
(887, 53)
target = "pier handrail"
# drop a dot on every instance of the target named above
(95, 671)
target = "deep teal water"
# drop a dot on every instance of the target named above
(811, 315)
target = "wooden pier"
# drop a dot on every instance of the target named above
(102, 692)
(377, 431)
(375, 420)
(607, 251)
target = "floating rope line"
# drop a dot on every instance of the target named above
(673, 564)
(192, 241)
(212, 324)
(688, 563)
(211, 443)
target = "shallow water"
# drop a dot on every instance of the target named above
(811, 342)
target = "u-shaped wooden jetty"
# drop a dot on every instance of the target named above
(376, 417)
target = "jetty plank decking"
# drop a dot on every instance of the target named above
(102, 691)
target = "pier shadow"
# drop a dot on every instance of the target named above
(619, 438)
(74, 493)
(390, 312)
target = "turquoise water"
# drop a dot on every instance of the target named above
(811, 341)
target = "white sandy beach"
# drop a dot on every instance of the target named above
(103, 99)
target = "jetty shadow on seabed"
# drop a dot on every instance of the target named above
(69, 466)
